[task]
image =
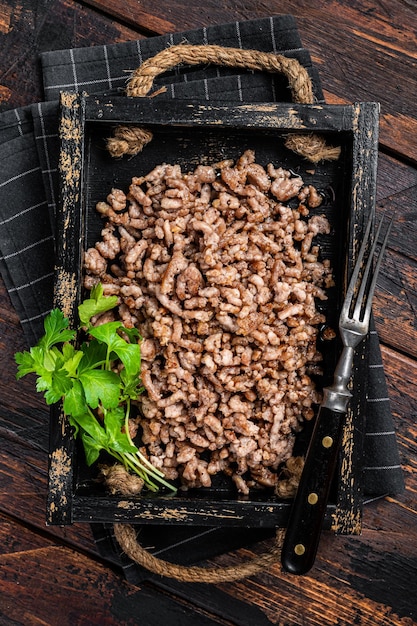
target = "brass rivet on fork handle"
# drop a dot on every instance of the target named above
(305, 521)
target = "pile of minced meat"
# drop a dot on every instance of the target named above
(219, 272)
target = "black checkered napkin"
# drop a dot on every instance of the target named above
(26, 240)
(382, 469)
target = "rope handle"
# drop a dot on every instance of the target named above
(126, 537)
(119, 480)
(131, 140)
(299, 80)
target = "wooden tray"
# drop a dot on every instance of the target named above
(189, 133)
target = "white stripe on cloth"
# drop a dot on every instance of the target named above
(49, 170)
(384, 433)
(21, 175)
(106, 60)
(30, 247)
(28, 320)
(74, 69)
(381, 467)
(20, 213)
(32, 282)
(239, 39)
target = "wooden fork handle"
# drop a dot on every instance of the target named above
(310, 503)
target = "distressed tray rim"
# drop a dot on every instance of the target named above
(64, 506)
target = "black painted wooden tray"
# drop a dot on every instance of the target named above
(189, 133)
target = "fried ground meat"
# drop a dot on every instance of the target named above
(218, 270)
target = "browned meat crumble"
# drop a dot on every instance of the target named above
(220, 276)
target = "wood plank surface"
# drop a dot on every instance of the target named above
(43, 583)
(55, 576)
(31, 27)
(364, 50)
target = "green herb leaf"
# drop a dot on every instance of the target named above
(128, 353)
(56, 330)
(107, 333)
(74, 403)
(89, 424)
(91, 448)
(132, 334)
(131, 385)
(95, 383)
(25, 364)
(72, 359)
(101, 386)
(60, 385)
(118, 440)
(94, 355)
(95, 304)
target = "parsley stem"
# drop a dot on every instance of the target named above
(128, 465)
(129, 461)
(144, 462)
(150, 469)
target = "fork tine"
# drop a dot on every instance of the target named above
(360, 301)
(350, 292)
(376, 269)
(365, 294)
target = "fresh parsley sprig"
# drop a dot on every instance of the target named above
(96, 383)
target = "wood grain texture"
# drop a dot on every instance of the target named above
(27, 484)
(33, 26)
(42, 583)
(401, 373)
(396, 296)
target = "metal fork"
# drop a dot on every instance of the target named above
(310, 503)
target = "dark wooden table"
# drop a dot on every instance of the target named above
(50, 576)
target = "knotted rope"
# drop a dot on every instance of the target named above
(118, 480)
(130, 140)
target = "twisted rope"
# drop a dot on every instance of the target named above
(126, 537)
(128, 140)
(299, 81)
(118, 480)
